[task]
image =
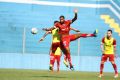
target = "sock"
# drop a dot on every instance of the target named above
(87, 35)
(52, 60)
(115, 68)
(58, 65)
(101, 68)
(52, 63)
(91, 35)
(69, 59)
(65, 57)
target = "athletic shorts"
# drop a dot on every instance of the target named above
(65, 41)
(111, 57)
(55, 57)
(55, 46)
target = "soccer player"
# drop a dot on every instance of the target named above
(108, 47)
(55, 52)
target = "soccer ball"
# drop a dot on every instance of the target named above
(34, 30)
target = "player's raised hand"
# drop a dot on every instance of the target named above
(75, 10)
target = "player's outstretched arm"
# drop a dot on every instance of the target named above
(116, 55)
(48, 32)
(114, 44)
(75, 17)
(48, 29)
(102, 48)
(74, 29)
(102, 45)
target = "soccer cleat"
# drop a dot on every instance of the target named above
(95, 32)
(116, 76)
(72, 68)
(50, 68)
(66, 64)
(100, 75)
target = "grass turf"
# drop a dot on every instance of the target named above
(13, 74)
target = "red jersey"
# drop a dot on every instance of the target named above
(64, 28)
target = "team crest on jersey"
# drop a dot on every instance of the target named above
(64, 24)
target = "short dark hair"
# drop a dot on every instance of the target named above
(110, 30)
(62, 16)
(55, 22)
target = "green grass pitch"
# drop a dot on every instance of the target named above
(13, 74)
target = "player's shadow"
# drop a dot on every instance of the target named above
(50, 76)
